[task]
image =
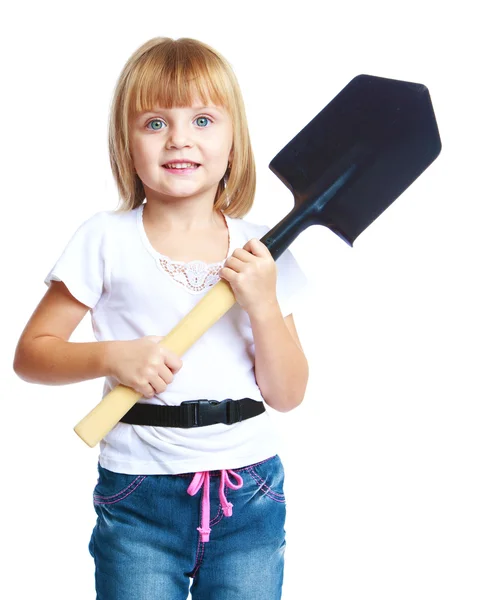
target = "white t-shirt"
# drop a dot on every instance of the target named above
(110, 266)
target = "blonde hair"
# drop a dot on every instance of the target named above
(170, 73)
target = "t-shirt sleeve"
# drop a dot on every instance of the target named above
(292, 283)
(82, 264)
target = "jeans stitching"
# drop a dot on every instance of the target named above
(218, 517)
(197, 561)
(109, 499)
(199, 556)
(220, 512)
(276, 496)
(122, 491)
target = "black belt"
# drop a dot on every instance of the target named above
(194, 413)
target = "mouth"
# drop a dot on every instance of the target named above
(181, 166)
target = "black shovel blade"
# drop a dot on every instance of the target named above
(356, 157)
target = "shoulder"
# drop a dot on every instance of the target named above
(106, 220)
(106, 217)
(248, 228)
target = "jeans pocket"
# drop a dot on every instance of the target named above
(269, 477)
(112, 487)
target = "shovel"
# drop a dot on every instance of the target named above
(344, 169)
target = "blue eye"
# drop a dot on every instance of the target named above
(156, 121)
(201, 121)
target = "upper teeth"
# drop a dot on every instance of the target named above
(180, 165)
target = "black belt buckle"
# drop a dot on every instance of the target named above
(210, 412)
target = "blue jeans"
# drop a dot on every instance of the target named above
(146, 544)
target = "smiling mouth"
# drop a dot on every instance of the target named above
(181, 166)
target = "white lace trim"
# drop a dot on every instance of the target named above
(197, 275)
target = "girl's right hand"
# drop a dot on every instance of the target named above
(143, 364)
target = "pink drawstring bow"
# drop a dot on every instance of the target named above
(201, 478)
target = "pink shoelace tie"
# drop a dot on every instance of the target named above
(201, 478)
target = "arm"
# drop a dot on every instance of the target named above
(43, 353)
(280, 364)
(281, 367)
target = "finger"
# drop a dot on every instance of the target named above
(243, 254)
(148, 391)
(234, 263)
(256, 247)
(172, 360)
(165, 374)
(158, 384)
(228, 274)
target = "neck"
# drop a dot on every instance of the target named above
(183, 217)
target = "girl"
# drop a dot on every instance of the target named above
(179, 140)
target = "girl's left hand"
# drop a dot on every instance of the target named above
(252, 274)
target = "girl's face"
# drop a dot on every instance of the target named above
(198, 134)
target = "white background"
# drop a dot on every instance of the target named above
(380, 459)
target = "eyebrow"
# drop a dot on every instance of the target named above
(192, 109)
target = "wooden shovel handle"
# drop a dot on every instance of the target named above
(116, 403)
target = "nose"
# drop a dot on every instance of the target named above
(179, 136)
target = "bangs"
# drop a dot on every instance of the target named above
(177, 76)
(167, 73)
